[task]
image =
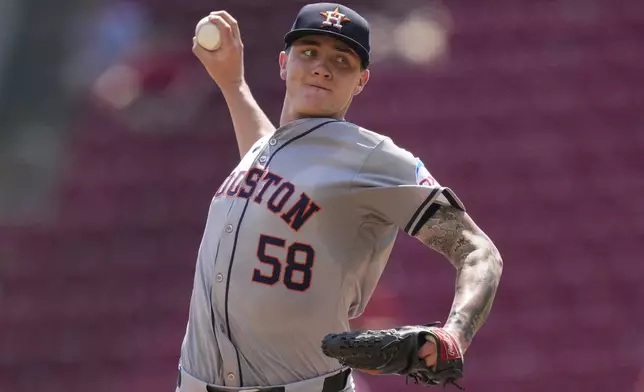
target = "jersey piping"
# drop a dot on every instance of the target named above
(232, 256)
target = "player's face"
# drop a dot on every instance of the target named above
(322, 76)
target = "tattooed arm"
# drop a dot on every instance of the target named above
(478, 264)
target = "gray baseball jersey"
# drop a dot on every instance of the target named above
(296, 240)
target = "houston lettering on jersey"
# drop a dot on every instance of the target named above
(265, 187)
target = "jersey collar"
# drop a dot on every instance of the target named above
(299, 126)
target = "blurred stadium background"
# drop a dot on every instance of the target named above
(113, 140)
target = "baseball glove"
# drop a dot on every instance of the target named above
(395, 351)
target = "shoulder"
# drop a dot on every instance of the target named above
(381, 151)
(385, 156)
(378, 151)
(384, 148)
(364, 137)
(376, 141)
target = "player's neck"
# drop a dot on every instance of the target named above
(289, 115)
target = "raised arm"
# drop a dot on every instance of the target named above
(249, 121)
(478, 264)
(226, 67)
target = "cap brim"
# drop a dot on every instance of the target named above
(294, 35)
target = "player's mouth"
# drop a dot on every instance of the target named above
(318, 87)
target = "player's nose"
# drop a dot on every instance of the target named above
(322, 71)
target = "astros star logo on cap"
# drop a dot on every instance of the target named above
(334, 18)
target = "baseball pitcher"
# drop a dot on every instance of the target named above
(299, 233)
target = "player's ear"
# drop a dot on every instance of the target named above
(283, 59)
(364, 78)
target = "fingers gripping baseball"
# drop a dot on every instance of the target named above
(225, 63)
(231, 22)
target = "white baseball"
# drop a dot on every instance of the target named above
(208, 35)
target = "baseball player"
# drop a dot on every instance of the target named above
(298, 234)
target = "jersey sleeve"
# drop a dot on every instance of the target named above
(393, 186)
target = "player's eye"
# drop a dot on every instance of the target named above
(309, 52)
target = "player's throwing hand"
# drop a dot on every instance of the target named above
(224, 65)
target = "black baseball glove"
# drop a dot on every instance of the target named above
(395, 351)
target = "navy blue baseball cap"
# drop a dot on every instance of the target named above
(335, 20)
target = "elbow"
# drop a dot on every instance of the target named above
(491, 252)
(489, 257)
(496, 261)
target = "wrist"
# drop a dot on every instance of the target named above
(233, 87)
(459, 336)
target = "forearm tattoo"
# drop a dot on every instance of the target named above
(478, 264)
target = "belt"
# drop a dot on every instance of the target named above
(334, 383)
